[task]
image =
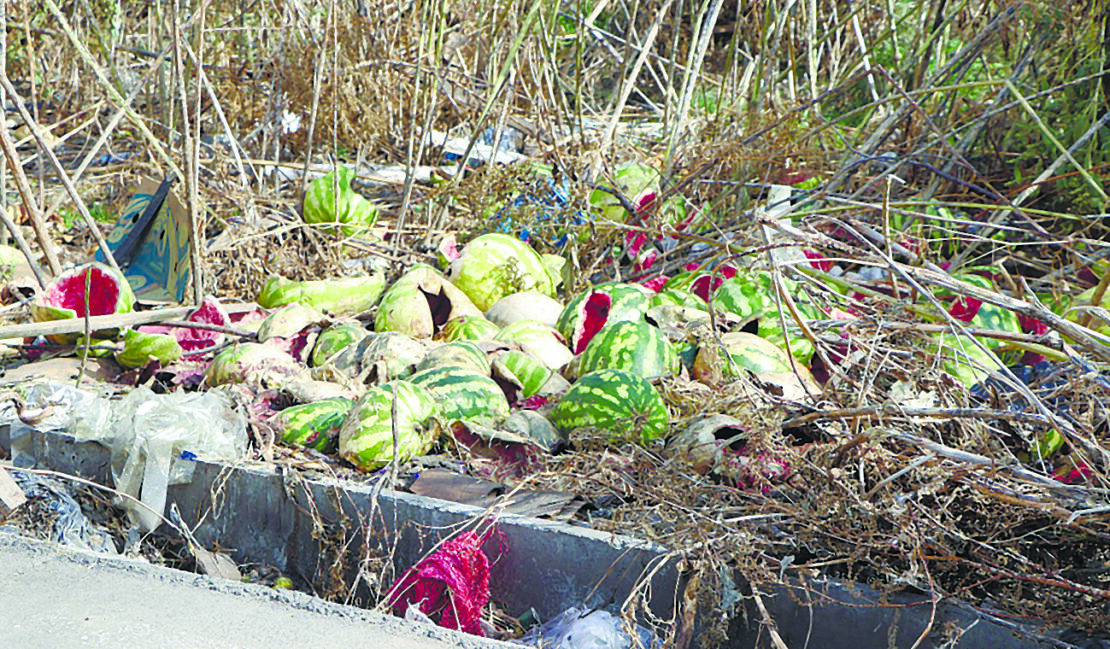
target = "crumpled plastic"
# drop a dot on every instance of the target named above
(149, 433)
(151, 436)
(70, 526)
(577, 628)
(450, 586)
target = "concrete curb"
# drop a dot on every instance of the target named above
(265, 515)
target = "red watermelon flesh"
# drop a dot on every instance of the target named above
(595, 312)
(69, 292)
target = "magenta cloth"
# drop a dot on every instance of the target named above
(451, 585)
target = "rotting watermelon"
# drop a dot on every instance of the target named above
(210, 312)
(635, 347)
(465, 354)
(254, 363)
(315, 425)
(64, 298)
(745, 351)
(590, 310)
(526, 375)
(464, 394)
(625, 405)
(140, 348)
(539, 341)
(496, 265)
(339, 297)
(420, 302)
(526, 305)
(331, 200)
(335, 339)
(366, 437)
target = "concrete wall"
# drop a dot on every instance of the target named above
(266, 514)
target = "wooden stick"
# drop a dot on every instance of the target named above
(29, 204)
(96, 323)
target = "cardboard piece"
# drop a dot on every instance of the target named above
(11, 496)
(160, 267)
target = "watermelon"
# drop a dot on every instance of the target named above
(288, 321)
(616, 401)
(632, 180)
(315, 425)
(745, 351)
(539, 341)
(335, 339)
(366, 437)
(589, 311)
(64, 297)
(526, 305)
(523, 371)
(496, 265)
(464, 395)
(964, 360)
(420, 302)
(468, 327)
(331, 199)
(635, 347)
(377, 358)
(339, 297)
(140, 348)
(464, 354)
(255, 363)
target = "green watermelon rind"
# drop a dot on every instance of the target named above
(464, 395)
(629, 302)
(314, 425)
(632, 346)
(335, 339)
(366, 438)
(612, 400)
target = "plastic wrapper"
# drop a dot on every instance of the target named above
(147, 434)
(576, 628)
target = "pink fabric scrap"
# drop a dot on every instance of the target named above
(451, 585)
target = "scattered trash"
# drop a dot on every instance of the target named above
(50, 502)
(576, 628)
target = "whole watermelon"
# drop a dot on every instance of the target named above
(315, 425)
(613, 400)
(464, 394)
(635, 347)
(366, 438)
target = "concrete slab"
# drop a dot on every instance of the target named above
(56, 598)
(318, 531)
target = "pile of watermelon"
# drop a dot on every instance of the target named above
(490, 344)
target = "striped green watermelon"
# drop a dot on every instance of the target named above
(331, 199)
(315, 425)
(464, 394)
(635, 347)
(590, 310)
(464, 354)
(521, 368)
(616, 401)
(366, 438)
(495, 265)
(468, 327)
(335, 339)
